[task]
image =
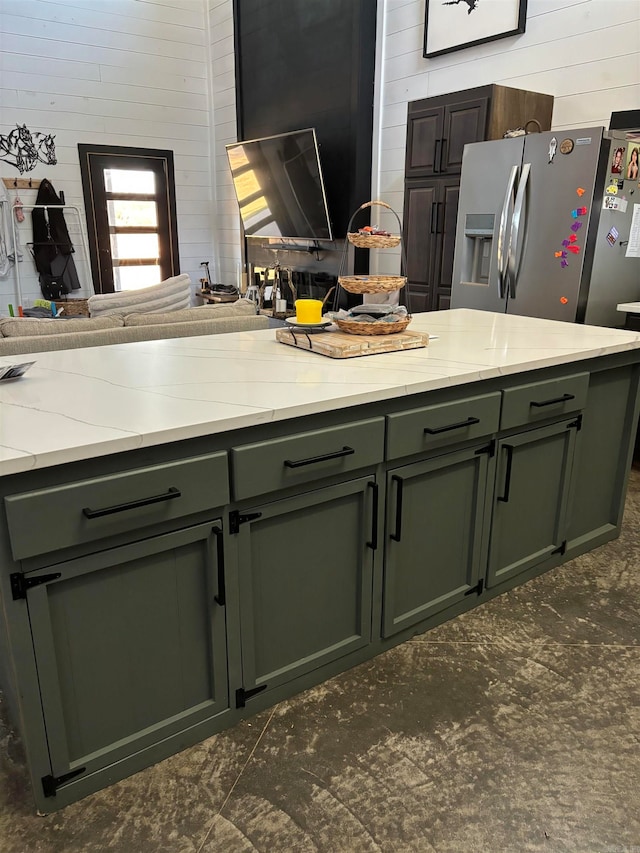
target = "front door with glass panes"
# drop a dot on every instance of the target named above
(130, 203)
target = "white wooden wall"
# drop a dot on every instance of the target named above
(116, 72)
(160, 74)
(223, 131)
(586, 53)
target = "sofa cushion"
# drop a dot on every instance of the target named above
(169, 295)
(241, 308)
(22, 327)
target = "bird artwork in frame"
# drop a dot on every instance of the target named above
(455, 24)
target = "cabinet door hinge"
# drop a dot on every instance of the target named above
(21, 583)
(236, 519)
(577, 424)
(242, 695)
(561, 549)
(50, 784)
(478, 588)
(489, 448)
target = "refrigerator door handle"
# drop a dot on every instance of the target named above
(516, 223)
(501, 252)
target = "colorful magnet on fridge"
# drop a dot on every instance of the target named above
(572, 238)
(612, 189)
(563, 300)
(581, 191)
(574, 249)
(579, 211)
(558, 254)
(565, 243)
(563, 264)
(553, 144)
(576, 226)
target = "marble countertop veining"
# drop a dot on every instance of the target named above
(82, 403)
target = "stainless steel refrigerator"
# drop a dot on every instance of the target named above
(543, 227)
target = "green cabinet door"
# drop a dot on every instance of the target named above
(305, 576)
(130, 646)
(435, 546)
(531, 499)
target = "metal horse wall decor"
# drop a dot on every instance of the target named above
(24, 150)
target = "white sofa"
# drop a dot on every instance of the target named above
(19, 335)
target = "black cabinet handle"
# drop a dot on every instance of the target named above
(221, 597)
(459, 425)
(110, 510)
(440, 219)
(373, 544)
(442, 156)
(346, 451)
(562, 399)
(434, 217)
(507, 478)
(435, 155)
(397, 534)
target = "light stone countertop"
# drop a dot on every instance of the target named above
(82, 403)
(629, 307)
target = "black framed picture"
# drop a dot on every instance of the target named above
(455, 24)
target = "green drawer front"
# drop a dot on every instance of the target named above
(88, 510)
(267, 466)
(437, 426)
(538, 401)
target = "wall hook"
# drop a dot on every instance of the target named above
(15, 183)
(30, 185)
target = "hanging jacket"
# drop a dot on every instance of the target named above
(52, 246)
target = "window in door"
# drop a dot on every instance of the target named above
(129, 196)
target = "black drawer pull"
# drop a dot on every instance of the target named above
(221, 597)
(373, 543)
(562, 399)
(346, 451)
(468, 422)
(507, 476)
(110, 510)
(397, 534)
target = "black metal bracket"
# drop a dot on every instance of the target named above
(577, 424)
(242, 695)
(478, 588)
(562, 549)
(237, 518)
(21, 583)
(50, 784)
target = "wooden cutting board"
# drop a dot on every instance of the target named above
(343, 345)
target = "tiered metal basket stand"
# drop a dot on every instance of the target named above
(372, 283)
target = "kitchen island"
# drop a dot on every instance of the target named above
(195, 529)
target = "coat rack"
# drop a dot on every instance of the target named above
(31, 184)
(21, 183)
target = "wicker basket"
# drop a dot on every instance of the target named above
(372, 283)
(378, 327)
(373, 241)
(73, 307)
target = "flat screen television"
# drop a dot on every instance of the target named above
(279, 186)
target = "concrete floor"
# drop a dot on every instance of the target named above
(515, 727)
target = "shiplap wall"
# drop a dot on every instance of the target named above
(160, 74)
(586, 53)
(224, 131)
(111, 72)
